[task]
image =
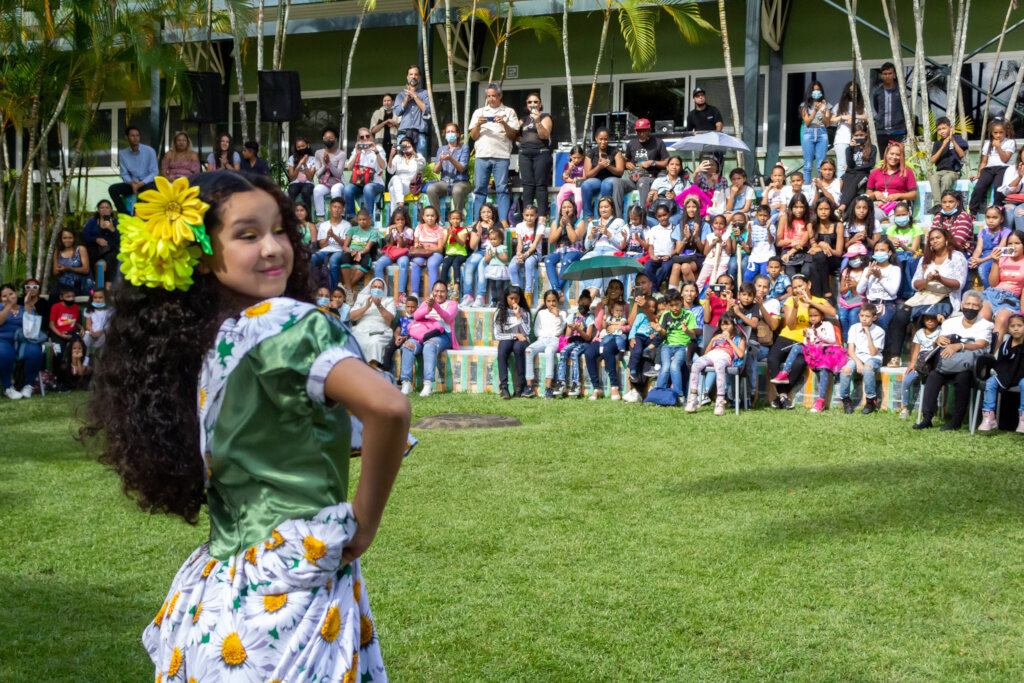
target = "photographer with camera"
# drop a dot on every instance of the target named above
(366, 180)
(102, 240)
(452, 167)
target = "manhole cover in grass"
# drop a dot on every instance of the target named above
(466, 421)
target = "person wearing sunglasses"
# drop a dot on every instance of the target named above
(366, 180)
(404, 165)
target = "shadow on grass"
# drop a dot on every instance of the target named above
(939, 494)
(92, 631)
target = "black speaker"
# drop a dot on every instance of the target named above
(206, 103)
(280, 97)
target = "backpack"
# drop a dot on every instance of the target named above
(662, 397)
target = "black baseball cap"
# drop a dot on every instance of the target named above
(698, 91)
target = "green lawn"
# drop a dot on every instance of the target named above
(599, 542)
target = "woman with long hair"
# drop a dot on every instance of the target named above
(860, 160)
(180, 161)
(893, 182)
(221, 383)
(814, 134)
(223, 156)
(843, 115)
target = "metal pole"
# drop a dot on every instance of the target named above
(750, 72)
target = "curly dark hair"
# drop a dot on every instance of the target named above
(144, 399)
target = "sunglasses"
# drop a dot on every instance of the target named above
(364, 137)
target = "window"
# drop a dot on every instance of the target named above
(832, 82)
(974, 101)
(96, 146)
(717, 91)
(662, 100)
(54, 151)
(138, 118)
(559, 108)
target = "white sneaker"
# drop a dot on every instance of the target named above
(26, 392)
(406, 388)
(467, 301)
(632, 396)
(905, 413)
(428, 389)
(479, 302)
(12, 393)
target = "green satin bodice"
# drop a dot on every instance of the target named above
(276, 454)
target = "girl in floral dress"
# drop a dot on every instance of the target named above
(223, 383)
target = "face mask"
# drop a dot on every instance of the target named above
(901, 220)
(378, 293)
(302, 151)
(329, 144)
(881, 258)
(99, 304)
(970, 313)
(857, 262)
(817, 95)
(451, 137)
(951, 212)
(323, 301)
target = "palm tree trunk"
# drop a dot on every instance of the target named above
(279, 54)
(3, 212)
(348, 77)
(508, 37)
(995, 69)
(44, 206)
(238, 38)
(470, 53)
(451, 63)
(865, 86)
(497, 45)
(727, 54)
(921, 75)
(597, 70)
(259, 67)
(568, 74)
(960, 40)
(426, 68)
(897, 56)
(1012, 102)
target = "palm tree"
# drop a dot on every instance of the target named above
(451, 63)
(502, 32)
(425, 8)
(897, 56)
(995, 68)
(858, 61)
(959, 42)
(568, 75)
(727, 54)
(367, 6)
(636, 23)
(470, 54)
(239, 39)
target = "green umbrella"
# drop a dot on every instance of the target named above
(601, 267)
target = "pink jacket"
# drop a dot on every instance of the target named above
(427, 320)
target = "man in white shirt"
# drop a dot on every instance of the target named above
(494, 128)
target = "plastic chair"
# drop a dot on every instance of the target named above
(739, 383)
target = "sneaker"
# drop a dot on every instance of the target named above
(781, 378)
(428, 389)
(869, 406)
(785, 403)
(632, 396)
(598, 393)
(847, 405)
(12, 394)
(616, 395)
(705, 400)
(479, 302)
(904, 413)
(634, 378)
(923, 424)
(653, 372)
(776, 402)
(558, 388)
(950, 427)
(505, 396)
(691, 404)
(819, 405)
(528, 392)
(467, 301)
(720, 407)
(574, 389)
(1020, 424)
(680, 401)
(518, 391)
(26, 391)
(549, 393)
(988, 421)
(406, 388)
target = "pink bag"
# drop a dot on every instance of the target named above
(563, 341)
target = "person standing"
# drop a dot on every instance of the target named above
(330, 170)
(384, 123)
(495, 126)
(413, 106)
(885, 102)
(814, 136)
(138, 169)
(535, 156)
(646, 156)
(703, 117)
(251, 161)
(452, 167)
(843, 116)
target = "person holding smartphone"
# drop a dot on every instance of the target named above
(494, 127)
(301, 170)
(102, 240)
(535, 155)
(602, 166)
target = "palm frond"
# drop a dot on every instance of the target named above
(686, 16)
(636, 22)
(542, 26)
(963, 125)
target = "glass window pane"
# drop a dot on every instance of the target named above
(662, 100)
(559, 108)
(717, 90)
(96, 146)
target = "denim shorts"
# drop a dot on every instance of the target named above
(1001, 299)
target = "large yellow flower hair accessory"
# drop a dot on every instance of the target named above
(161, 244)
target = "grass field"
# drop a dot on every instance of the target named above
(599, 542)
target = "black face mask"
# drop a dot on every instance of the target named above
(970, 313)
(329, 144)
(301, 151)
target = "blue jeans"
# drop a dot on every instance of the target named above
(673, 359)
(485, 167)
(824, 375)
(433, 264)
(473, 282)
(571, 352)
(983, 270)
(515, 272)
(846, 376)
(908, 264)
(657, 272)
(367, 196)
(885, 315)
(992, 391)
(431, 350)
(814, 142)
(560, 257)
(907, 390)
(847, 318)
(1014, 217)
(333, 259)
(593, 189)
(1001, 299)
(383, 262)
(33, 355)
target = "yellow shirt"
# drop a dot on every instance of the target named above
(797, 333)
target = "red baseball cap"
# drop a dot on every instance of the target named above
(643, 124)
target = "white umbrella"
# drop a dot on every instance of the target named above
(709, 142)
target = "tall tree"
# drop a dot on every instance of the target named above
(727, 55)
(892, 24)
(470, 55)
(238, 34)
(366, 6)
(425, 8)
(448, 48)
(568, 74)
(858, 60)
(995, 68)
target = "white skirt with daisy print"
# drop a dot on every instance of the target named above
(283, 610)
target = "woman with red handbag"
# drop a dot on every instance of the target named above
(366, 181)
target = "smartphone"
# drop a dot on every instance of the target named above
(489, 119)
(362, 145)
(716, 288)
(1007, 251)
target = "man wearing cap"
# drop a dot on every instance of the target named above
(645, 156)
(703, 117)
